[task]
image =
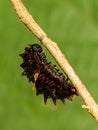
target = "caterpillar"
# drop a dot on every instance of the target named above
(46, 77)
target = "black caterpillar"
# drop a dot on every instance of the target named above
(48, 80)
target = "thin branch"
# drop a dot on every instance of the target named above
(28, 20)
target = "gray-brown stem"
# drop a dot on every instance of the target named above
(28, 20)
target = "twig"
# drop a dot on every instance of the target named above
(28, 20)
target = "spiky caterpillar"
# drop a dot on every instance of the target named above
(48, 80)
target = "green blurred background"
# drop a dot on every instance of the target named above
(73, 24)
